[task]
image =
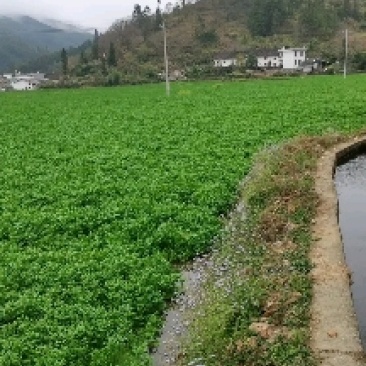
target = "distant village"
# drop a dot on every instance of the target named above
(285, 59)
(19, 81)
(288, 59)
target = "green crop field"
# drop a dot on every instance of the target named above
(103, 191)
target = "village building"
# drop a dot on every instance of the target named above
(286, 58)
(226, 59)
(24, 83)
(268, 58)
(21, 82)
(292, 58)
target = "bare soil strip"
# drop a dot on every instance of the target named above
(335, 337)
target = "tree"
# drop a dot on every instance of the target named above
(83, 59)
(158, 18)
(112, 58)
(251, 62)
(64, 61)
(260, 20)
(316, 19)
(265, 17)
(137, 12)
(207, 37)
(356, 12)
(95, 47)
(347, 8)
(359, 61)
(142, 18)
(104, 66)
(114, 78)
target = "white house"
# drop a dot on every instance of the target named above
(24, 83)
(286, 58)
(19, 81)
(293, 58)
(226, 59)
(268, 58)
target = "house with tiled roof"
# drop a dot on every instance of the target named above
(268, 58)
(226, 59)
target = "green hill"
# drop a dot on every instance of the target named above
(24, 38)
(197, 31)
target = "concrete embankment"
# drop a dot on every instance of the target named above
(335, 334)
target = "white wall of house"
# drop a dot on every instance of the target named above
(287, 58)
(23, 84)
(225, 62)
(293, 57)
(269, 61)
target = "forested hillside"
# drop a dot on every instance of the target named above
(133, 49)
(197, 31)
(23, 38)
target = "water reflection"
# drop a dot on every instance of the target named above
(350, 181)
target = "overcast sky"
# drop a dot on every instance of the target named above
(90, 13)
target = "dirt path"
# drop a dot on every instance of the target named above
(335, 336)
(194, 279)
(176, 321)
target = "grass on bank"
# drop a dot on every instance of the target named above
(258, 312)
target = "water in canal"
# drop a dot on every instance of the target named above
(350, 181)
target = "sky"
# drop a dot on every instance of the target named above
(98, 14)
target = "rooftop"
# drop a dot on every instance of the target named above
(225, 55)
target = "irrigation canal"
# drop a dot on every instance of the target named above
(350, 182)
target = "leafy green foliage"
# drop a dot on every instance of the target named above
(359, 61)
(112, 58)
(103, 190)
(317, 19)
(64, 61)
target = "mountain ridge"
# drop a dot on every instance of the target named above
(196, 32)
(23, 37)
(199, 30)
(66, 26)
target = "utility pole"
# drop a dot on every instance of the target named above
(345, 53)
(166, 61)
